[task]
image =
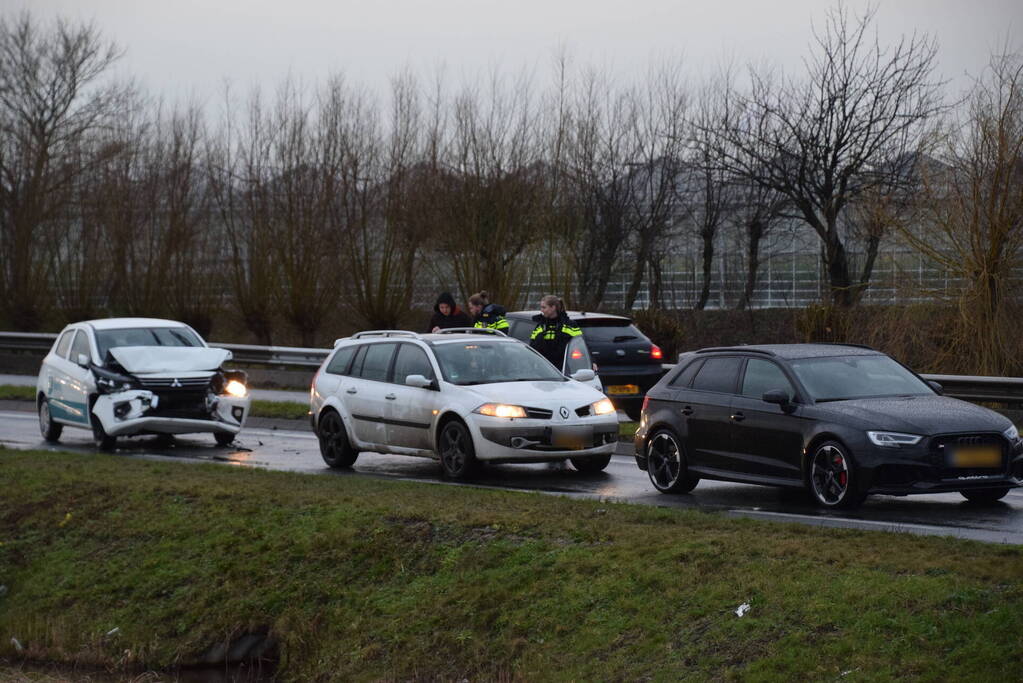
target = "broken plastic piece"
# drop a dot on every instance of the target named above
(743, 608)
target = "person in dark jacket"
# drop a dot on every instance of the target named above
(553, 331)
(486, 314)
(447, 314)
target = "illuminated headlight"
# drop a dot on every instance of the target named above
(893, 439)
(500, 410)
(1012, 434)
(602, 407)
(236, 389)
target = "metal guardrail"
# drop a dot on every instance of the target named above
(977, 389)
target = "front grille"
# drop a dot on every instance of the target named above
(162, 384)
(189, 405)
(583, 411)
(943, 446)
(539, 413)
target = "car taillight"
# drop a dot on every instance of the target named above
(577, 354)
(646, 402)
(656, 352)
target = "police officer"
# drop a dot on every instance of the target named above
(486, 314)
(553, 331)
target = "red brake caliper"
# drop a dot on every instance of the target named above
(843, 475)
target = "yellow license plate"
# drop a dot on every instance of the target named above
(988, 456)
(572, 438)
(620, 389)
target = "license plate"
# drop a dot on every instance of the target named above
(984, 456)
(620, 389)
(572, 438)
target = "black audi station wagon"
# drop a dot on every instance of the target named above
(842, 421)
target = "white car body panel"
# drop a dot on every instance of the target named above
(169, 359)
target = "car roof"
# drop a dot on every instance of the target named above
(578, 316)
(121, 323)
(797, 351)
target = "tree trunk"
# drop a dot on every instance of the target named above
(837, 264)
(708, 264)
(754, 231)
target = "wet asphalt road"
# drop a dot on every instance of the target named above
(291, 446)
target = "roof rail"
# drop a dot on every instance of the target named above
(385, 333)
(743, 349)
(858, 346)
(472, 330)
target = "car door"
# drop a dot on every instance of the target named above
(768, 439)
(705, 407)
(410, 410)
(58, 375)
(70, 382)
(364, 395)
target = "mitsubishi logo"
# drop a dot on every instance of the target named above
(564, 413)
(176, 384)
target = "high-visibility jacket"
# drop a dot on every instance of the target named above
(492, 317)
(551, 336)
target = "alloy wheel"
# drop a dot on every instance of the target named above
(829, 475)
(664, 461)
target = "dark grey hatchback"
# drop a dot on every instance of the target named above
(842, 421)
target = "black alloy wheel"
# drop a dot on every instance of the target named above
(833, 477)
(591, 465)
(457, 454)
(335, 448)
(50, 430)
(666, 464)
(985, 495)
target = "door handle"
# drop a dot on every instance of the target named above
(738, 417)
(390, 397)
(688, 410)
(353, 390)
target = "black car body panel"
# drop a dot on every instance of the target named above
(733, 437)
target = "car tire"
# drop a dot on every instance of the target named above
(103, 441)
(833, 477)
(50, 430)
(985, 495)
(591, 465)
(456, 450)
(223, 438)
(666, 464)
(335, 447)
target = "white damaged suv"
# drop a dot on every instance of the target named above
(130, 376)
(460, 397)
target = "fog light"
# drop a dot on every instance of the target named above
(121, 409)
(238, 413)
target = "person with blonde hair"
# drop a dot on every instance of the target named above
(486, 314)
(553, 331)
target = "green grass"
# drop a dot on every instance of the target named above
(10, 392)
(359, 578)
(288, 410)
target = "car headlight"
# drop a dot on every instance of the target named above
(1012, 434)
(111, 382)
(893, 439)
(602, 407)
(500, 410)
(236, 389)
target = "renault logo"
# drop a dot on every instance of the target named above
(176, 383)
(564, 413)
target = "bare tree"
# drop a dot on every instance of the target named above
(823, 140)
(972, 221)
(51, 98)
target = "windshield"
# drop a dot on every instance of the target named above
(847, 377)
(145, 336)
(477, 362)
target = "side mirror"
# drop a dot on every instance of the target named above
(418, 381)
(940, 390)
(779, 397)
(83, 360)
(583, 375)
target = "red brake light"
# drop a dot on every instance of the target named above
(646, 402)
(577, 353)
(656, 352)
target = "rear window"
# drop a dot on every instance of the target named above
(686, 376)
(613, 334)
(718, 374)
(342, 359)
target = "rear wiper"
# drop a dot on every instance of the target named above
(624, 337)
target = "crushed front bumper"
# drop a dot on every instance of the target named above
(138, 411)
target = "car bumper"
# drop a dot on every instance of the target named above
(524, 440)
(131, 412)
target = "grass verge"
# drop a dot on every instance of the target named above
(288, 410)
(360, 578)
(10, 392)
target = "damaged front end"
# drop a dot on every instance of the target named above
(169, 402)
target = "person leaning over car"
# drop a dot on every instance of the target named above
(553, 331)
(447, 314)
(486, 314)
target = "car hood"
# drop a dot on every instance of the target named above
(571, 394)
(146, 359)
(918, 414)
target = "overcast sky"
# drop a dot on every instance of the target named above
(187, 48)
